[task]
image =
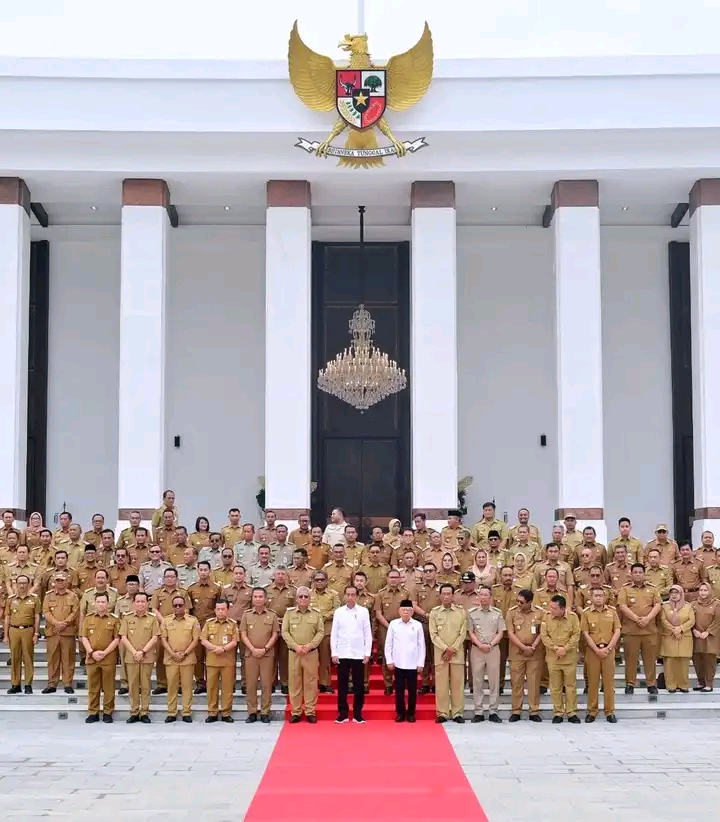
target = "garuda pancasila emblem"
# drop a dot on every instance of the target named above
(360, 92)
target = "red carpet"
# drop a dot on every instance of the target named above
(377, 772)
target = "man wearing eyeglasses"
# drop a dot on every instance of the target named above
(180, 635)
(303, 629)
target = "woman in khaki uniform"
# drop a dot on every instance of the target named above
(447, 574)
(677, 619)
(485, 574)
(200, 537)
(392, 538)
(523, 577)
(31, 535)
(706, 637)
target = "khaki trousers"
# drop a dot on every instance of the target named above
(22, 652)
(303, 682)
(101, 678)
(449, 689)
(522, 669)
(705, 667)
(139, 674)
(61, 660)
(324, 659)
(563, 675)
(677, 672)
(598, 669)
(160, 674)
(280, 651)
(179, 676)
(200, 653)
(220, 686)
(485, 664)
(260, 670)
(123, 674)
(635, 647)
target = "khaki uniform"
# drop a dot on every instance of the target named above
(485, 625)
(5, 531)
(530, 550)
(600, 626)
(617, 576)
(583, 597)
(661, 578)
(571, 541)
(464, 558)
(259, 629)
(526, 627)
(124, 605)
(127, 539)
(708, 556)
(633, 545)
(386, 553)
(676, 653)
(326, 603)
(512, 537)
(300, 539)
(101, 633)
(239, 597)
(220, 667)
(76, 552)
(222, 576)
(157, 517)
(203, 597)
(118, 577)
(565, 575)
(387, 605)
(299, 577)
(410, 579)
(46, 579)
(367, 600)
(599, 554)
(562, 633)
(231, 535)
(354, 554)
(499, 558)
(93, 538)
(639, 641)
(279, 600)
(449, 536)
(43, 557)
(22, 612)
(303, 628)
(338, 577)
(376, 576)
(199, 540)
(86, 576)
(13, 570)
(705, 651)
(59, 608)
(87, 601)
(161, 604)
(61, 538)
(448, 629)
(139, 631)
(504, 599)
(713, 574)
(427, 598)
(544, 595)
(187, 575)
(166, 538)
(690, 575)
(422, 537)
(434, 555)
(479, 532)
(318, 555)
(523, 582)
(214, 557)
(669, 551)
(467, 601)
(179, 634)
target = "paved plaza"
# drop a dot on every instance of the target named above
(644, 770)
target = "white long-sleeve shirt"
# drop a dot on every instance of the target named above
(405, 644)
(351, 637)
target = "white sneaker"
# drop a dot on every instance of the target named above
(340, 721)
(358, 721)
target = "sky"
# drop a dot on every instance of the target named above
(244, 30)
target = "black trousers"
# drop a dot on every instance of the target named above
(405, 679)
(346, 667)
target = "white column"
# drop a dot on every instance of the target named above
(576, 230)
(14, 310)
(433, 352)
(288, 378)
(705, 325)
(141, 458)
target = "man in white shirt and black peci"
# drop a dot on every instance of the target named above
(350, 648)
(405, 655)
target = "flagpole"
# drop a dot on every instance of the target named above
(361, 16)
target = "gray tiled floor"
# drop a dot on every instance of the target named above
(643, 770)
(65, 771)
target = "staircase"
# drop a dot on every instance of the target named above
(59, 705)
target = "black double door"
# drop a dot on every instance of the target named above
(361, 461)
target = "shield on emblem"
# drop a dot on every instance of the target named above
(360, 96)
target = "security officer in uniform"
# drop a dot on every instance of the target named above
(60, 609)
(139, 632)
(560, 633)
(22, 631)
(220, 637)
(203, 595)
(486, 627)
(600, 626)
(527, 654)
(427, 597)
(100, 635)
(280, 597)
(387, 608)
(325, 600)
(259, 628)
(448, 631)
(303, 629)
(180, 636)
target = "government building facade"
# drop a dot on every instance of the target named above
(175, 272)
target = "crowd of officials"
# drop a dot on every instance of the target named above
(440, 610)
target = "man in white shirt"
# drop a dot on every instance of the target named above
(405, 655)
(335, 531)
(350, 647)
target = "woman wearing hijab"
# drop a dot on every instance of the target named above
(447, 575)
(392, 538)
(677, 619)
(31, 535)
(522, 578)
(485, 574)
(706, 637)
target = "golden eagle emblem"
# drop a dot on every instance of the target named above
(360, 92)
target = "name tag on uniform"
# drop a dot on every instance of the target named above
(533, 629)
(224, 640)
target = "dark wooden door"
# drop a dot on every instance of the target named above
(361, 462)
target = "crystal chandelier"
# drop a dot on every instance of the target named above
(362, 375)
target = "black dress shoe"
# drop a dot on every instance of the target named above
(682, 690)
(366, 689)
(425, 689)
(124, 691)
(210, 719)
(14, 689)
(187, 719)
(28, 689)
(69, 689)
(543, 689)
(107, 719)
(251, 718)
(629, 689)
(284, 690)
(696, 688)
(399, 718)
(652, 689)
(312, 719)
(294, 720)
(494, 718)
(557, 720)
(265, 719)
(159, 690)
(460, 720)
(574, 719)
(514, 718)
(672, 690)
(201, 689)
(89, 720)
(243, 690)
(535, 718)
(227, 719)
(411, 718)
(585, 689)
(611, 718)
(49, 690)
(145, 719)
(589, 718)
(477, 718)
(388, 691)
(132, 719)
(169, 719)
(440, 719)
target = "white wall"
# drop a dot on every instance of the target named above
(215, 370)
(507, 372)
